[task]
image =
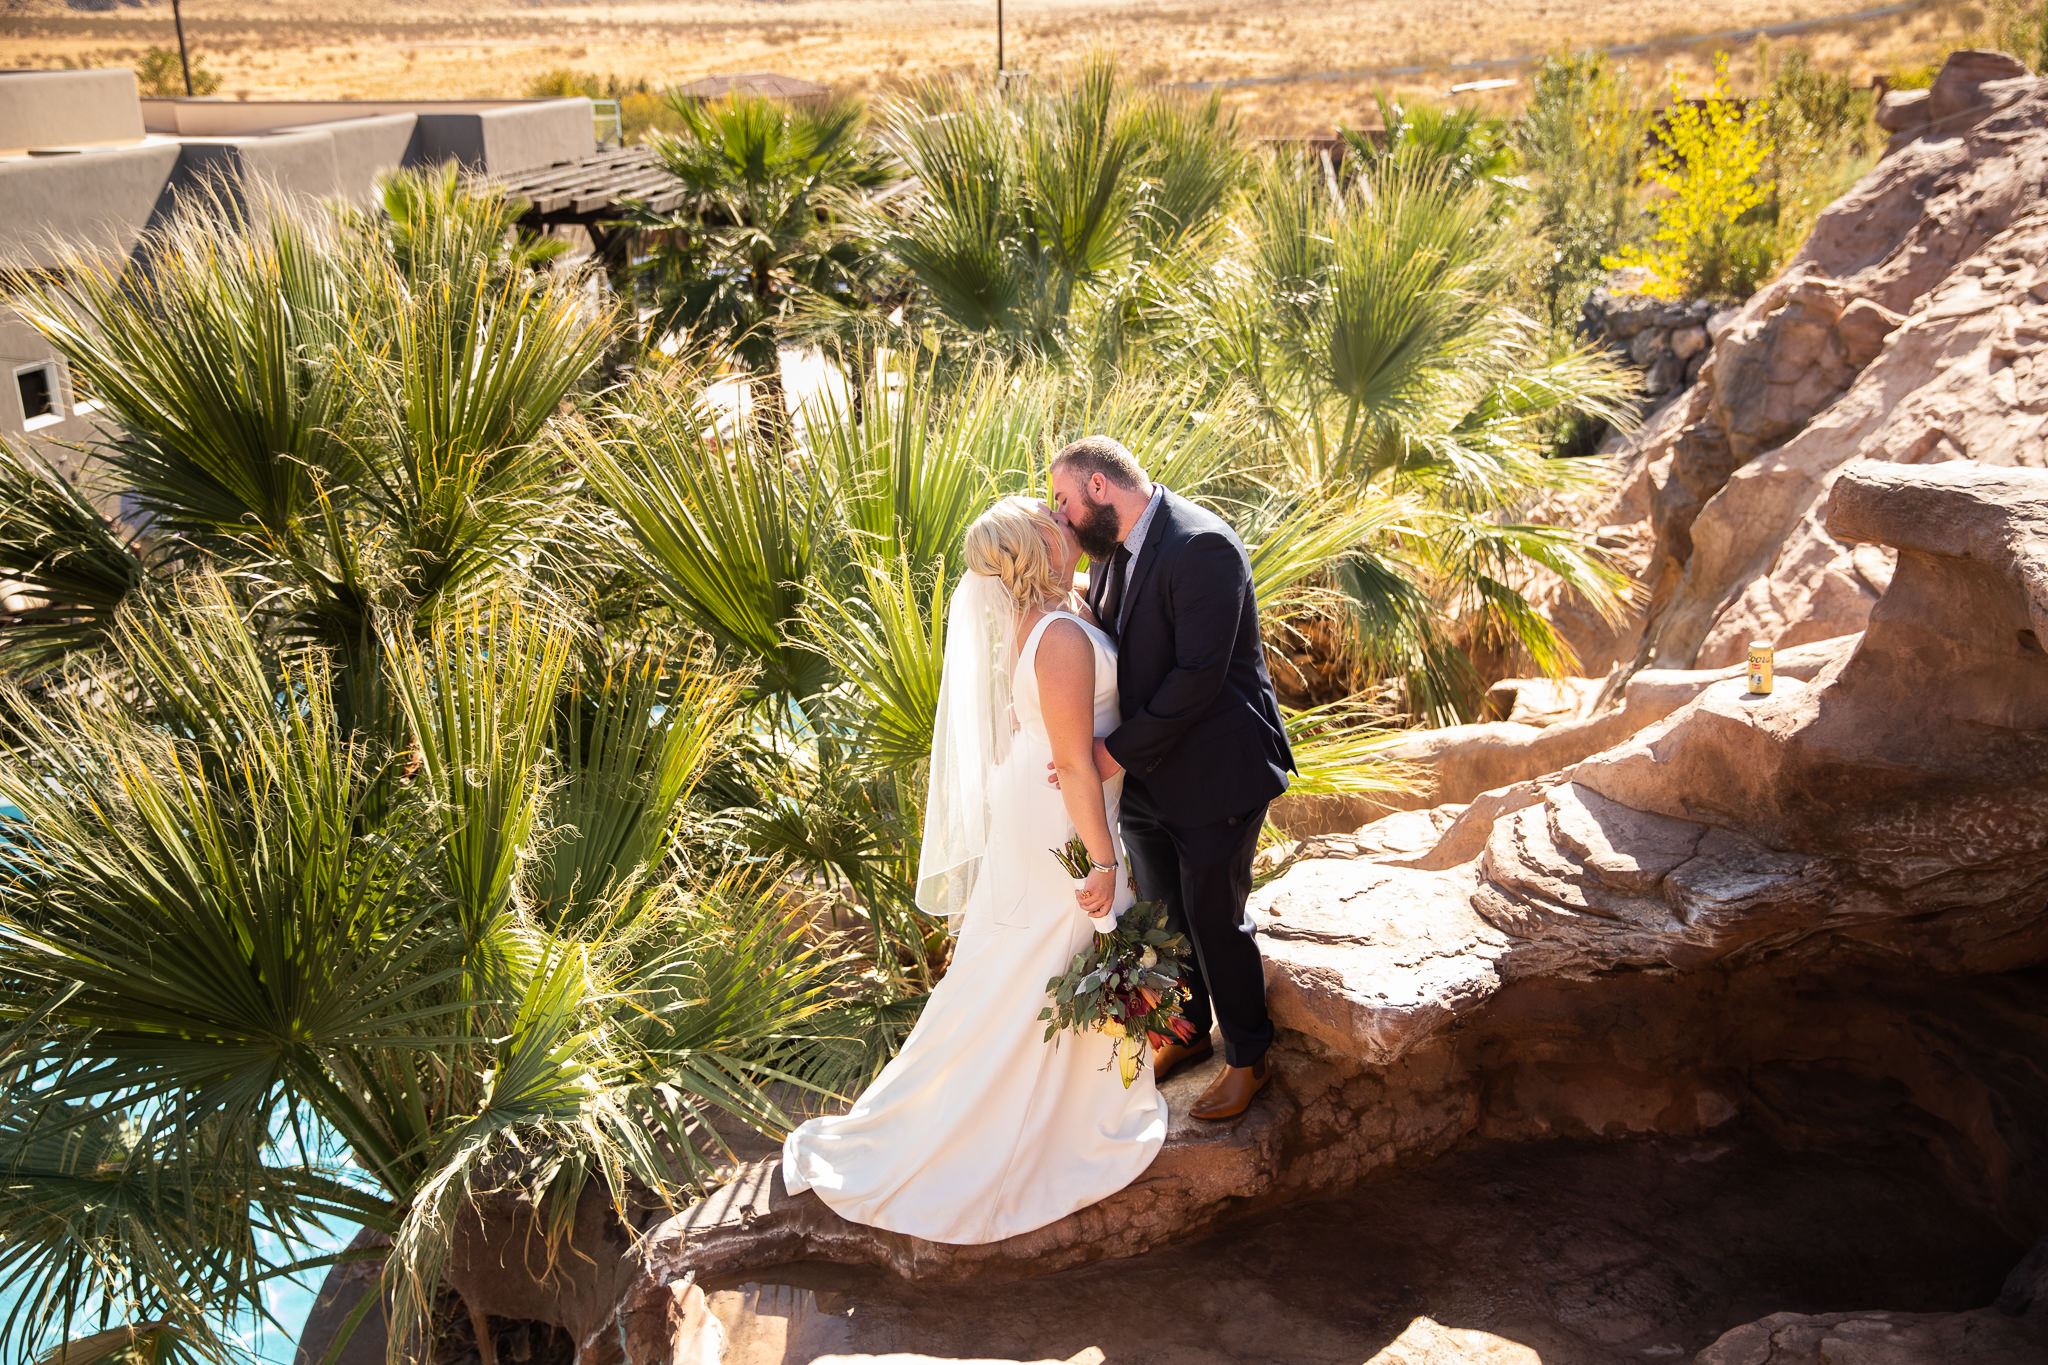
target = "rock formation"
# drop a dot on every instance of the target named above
(1791, 907)
(1666, 341)
(2012, 1331)
(1655, 903)
(1911, 327)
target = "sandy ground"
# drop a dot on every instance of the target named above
(397, 48)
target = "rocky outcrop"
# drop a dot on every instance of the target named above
(1912, 327)
(1985, 1337)
(2012, 1331)
(1790, 907)
(1551, 724)
(1667, 341)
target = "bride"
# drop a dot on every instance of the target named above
(980, 1129)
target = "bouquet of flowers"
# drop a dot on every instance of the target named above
(1127, 985)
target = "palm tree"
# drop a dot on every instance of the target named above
(1370, 317)
(353, 858)
(224, 918)
(1459, 143)
(766, 227)
(1048, 223)
(348, 417)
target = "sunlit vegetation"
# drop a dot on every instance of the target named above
(472, 759)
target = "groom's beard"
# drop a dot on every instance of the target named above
(1095, 531)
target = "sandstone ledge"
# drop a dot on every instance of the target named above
(1639, 943)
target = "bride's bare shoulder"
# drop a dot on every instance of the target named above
(1064, 650)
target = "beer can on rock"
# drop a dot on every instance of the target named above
(1760, 659)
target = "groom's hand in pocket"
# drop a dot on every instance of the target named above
(1106, 766)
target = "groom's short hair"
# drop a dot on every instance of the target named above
(1104, 455)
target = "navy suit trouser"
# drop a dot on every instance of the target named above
(1204, 874)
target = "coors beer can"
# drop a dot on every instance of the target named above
(1759, 667)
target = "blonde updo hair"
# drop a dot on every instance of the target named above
(1010, 541)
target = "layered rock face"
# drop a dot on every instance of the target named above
(1793, 907)
(1912, 328)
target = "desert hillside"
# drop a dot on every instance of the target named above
(270, 48)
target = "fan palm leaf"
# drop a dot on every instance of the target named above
(1343, 749)
(474, 370)
(726, 534)
(71, 563)
(1045, 220)
(632, 734)
(909, 467)
(478, 696)
(216, 366)
(886, 640)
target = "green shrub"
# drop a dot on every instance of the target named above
(160, 75)
(2021, 28)
(1822, 141)
(642, 108)
(1580, 145)
(1815, 106)
(1458, 142)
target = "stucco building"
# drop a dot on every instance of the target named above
(83, 158)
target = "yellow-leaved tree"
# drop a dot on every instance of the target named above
(1710, 162)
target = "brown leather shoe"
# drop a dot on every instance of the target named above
(1230, 1094)
(1171, 1058)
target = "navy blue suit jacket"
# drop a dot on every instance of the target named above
(1201, 728)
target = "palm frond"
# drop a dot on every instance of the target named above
(478, 696)
(726, 534)
(907, 468)
(1342, 748)
(67, 559)
(886, 639)
(632, 733)
(216, 366)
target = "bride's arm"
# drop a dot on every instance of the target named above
(1066, 695)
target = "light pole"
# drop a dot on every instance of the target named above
(178, 18)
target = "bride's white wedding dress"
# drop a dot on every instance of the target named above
(981, 1129)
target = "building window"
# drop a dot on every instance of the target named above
(40, 401)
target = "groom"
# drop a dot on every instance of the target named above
(1201, 744)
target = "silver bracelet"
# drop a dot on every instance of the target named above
(1102, 867)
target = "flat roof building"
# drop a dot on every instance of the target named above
(84, 159)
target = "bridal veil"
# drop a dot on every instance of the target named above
(972, 733)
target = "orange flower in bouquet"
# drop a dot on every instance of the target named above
(1128, 985)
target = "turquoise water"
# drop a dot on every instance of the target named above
(288, 1300)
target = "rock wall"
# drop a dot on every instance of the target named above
(1667, 341)
(1912, 327)
(1792, 908)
